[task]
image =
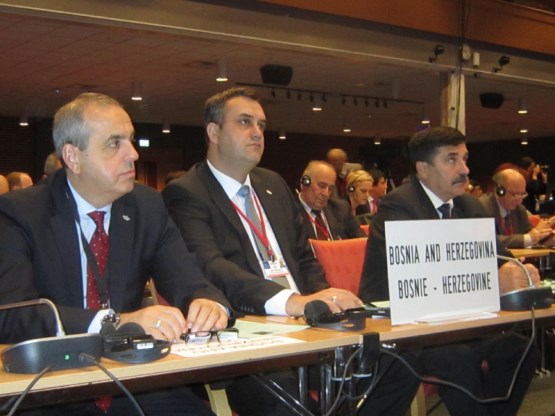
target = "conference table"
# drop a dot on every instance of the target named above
(318, 347)
(543, 256)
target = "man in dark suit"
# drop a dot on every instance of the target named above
(210, 207)
(45, 234)
(437, 190)
(326, 218)
(512, 226)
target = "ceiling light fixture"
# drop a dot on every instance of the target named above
(524, 130)
(137, 91)
(328, 96)
(282, 135)
(24, 121)
(524, 141)
(316, 106)
(222, 70)
(522, 107)
(377, 141)
(166, 128)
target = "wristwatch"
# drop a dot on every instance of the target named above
(111, 318)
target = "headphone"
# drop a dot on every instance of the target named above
(130, 344)
(351, 185)
(499, 189)
(305, 180)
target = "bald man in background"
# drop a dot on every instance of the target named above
(326, 218)
(19, 180)
(512, 226)
(4, 185)
(338, 159)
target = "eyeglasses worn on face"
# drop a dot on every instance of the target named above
(204, 337)
(517, 195)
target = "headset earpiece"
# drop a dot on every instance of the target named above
(305, 180)
(350, 187)
(500, 189)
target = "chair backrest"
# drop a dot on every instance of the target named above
(342, 261)
(534, 219)
(365, 228)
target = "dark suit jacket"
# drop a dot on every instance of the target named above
(39, 257)
(519, 220)
(213, 231)
(407, 202)
(341, 222)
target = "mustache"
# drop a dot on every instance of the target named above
(460, 179)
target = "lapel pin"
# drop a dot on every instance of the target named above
(126, 218)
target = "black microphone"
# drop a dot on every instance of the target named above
(316, 311)
(56, 353)
(526, 298)
(318, 314)
(41, 301)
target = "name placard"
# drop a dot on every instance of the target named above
(440, 268)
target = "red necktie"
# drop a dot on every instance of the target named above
(99, 248)
(321, 229)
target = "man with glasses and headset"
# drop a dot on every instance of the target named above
(512, 226)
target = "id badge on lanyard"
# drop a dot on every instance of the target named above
(274, 269)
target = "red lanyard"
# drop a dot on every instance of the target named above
(322, 229)
(261, 234)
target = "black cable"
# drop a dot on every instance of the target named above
(27, 390)
(90, 359)
(440, 382)
(340, 392)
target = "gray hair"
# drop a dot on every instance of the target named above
(69, 124)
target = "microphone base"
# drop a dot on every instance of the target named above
(525, 299)
(58, 353)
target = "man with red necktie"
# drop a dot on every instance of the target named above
(89, 240)
(326, 218)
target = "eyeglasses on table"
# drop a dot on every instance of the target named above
(204, 337)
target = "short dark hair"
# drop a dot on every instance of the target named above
(423, 145)
(214, 106)
(376, 175)
(525, 162)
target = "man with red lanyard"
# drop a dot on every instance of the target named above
(326, 218)
(511, 219)
(266, 269)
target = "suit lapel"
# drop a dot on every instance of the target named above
(66, 239)
(271, 207)
(122, 235)
(330, 217)
(222, 202)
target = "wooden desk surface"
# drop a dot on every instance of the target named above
(531, 252)
(173, 369)
(315, 342)
(426, 334)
